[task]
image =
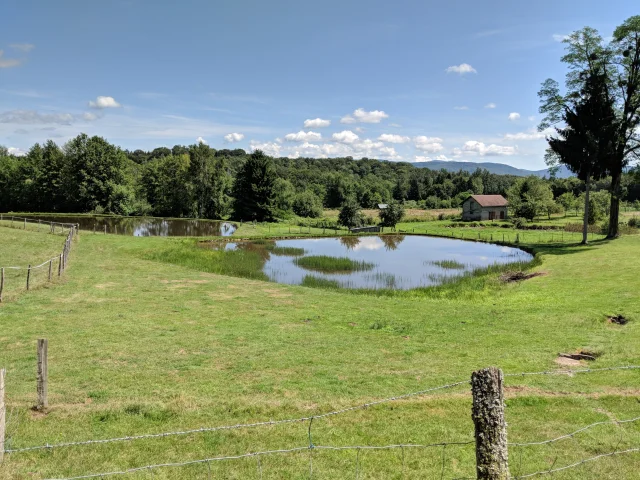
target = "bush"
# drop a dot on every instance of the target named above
(307, 204)
(634, 222)
(391, 215)
(350, 215)
(519, 222)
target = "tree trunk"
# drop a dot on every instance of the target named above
(614, 210)
(585, 225)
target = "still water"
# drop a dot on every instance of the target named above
(145, 226)
(399, 262)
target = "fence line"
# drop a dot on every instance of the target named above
(62, 258)
(300, 419)
(577, 464)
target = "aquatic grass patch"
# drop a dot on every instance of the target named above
(316, 282)
(327, 264)
(236, 263)
(448, 264)
(286, 251)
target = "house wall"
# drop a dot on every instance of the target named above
(471, 210)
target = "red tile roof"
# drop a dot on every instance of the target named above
(490, 200)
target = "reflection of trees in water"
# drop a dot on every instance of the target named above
(391, 242)
(259, 247)
(350, 242)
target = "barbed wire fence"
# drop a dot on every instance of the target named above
(489, 422)
(30, 276)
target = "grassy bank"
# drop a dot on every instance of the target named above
(146, 338)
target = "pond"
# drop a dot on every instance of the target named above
(145, 226)
(374, 262)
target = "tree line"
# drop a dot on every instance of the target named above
(89, 174)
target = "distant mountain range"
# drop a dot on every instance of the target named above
(497, 168)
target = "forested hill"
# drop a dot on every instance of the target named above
(497, 168)
(89, 174)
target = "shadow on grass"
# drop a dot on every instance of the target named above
(563, 248)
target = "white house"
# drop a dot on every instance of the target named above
(484, 207)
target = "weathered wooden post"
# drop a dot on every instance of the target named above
(60, 266)
(28, 276)
(1, 283)
(50, 268)
(490, 426)
(3, 413)
(25, 224)
(43, 374)
(105, 228)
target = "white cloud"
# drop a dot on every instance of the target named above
(104, 102)
(428, 144)
(8, 62)
(490, 105)
(531, 134)
(461, 69)
(513, 116)
(31, 117)
(233, 137)
(269, 148)
(362, 116)
(18, 152)
(302, 136)
(201, 140)
(532, 118)
(345, 136)
(359, 129)
(392, 138)
(397, 125)
(89, 116)
(464, 107)
(316, 123)
(23, 47)
(483, 150)
(560, 38)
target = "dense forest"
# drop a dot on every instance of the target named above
(89, 174)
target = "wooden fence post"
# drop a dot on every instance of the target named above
(105, 228)
(1, 283)
(60, 266)
(28, 276)
(3, 413)
(43, 374)
(50, 268)
(25, 224)
(490, 426)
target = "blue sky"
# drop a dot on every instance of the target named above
(403, 80)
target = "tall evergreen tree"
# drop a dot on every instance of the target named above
(586, 142)
(254, 189)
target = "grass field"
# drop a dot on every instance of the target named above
(143, 338)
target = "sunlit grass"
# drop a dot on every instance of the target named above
(327, 264)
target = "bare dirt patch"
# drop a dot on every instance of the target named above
(509, 277)
(567, 362)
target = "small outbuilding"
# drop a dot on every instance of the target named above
(484, 207)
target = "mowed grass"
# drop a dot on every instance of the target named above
(144, 344)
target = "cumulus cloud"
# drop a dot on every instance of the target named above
(303, 136)
(18, 152)
(483, 150)
(269, 148)
(8, 62)
(233, 137)
(201, 140)
(316, 123)
(362, 116)
(490, 105)
(464, 107)
(104, 102)
(513, 116)
(358, 148)
(345, 136)
(531, 134)
(391, 138)
(428, 144)
(23, 47)
(461, 69)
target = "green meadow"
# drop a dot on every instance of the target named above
(150, 335)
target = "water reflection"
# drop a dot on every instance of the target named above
(145, 226)
(400, 262)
